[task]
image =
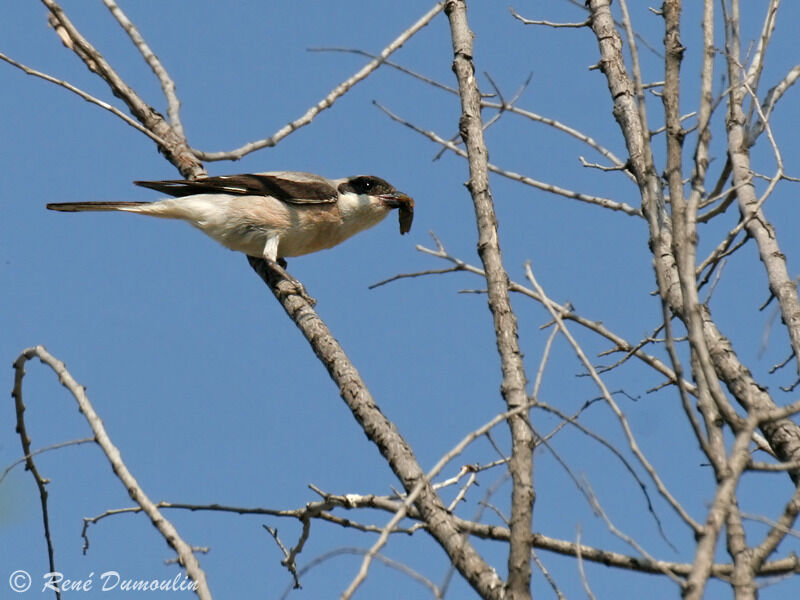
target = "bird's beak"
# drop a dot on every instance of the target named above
(405, 204)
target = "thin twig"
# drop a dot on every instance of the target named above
(393, 564)
(387, 63)
(88, 97)
(19, 461)
(604, 202)
(174, 147)
(328, 100)
(167, 530)
(21, 429)
(634, 446)
(547, 23)
(620, 343)
(412, 496)
(167, 83)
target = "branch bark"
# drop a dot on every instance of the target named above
(441, 524)
(758, 227)
(184, 551)
(174, 147)
(783, 435)
(505, 322)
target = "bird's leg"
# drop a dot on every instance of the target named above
(278, 266)
(299, 288)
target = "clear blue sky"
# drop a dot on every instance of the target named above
(210, 392)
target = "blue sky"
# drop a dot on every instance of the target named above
(210, 392)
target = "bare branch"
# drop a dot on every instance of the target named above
(22, 431)
(392, 505)
(620, 343)
(636, 68)
(537, 384)
(383, 434)
(547, 23)
(167, 84)
(634, 446)
(174, 146)
(167, 530)
(604, 202)
(58, 446)
(583, 6)
(778, 531)
(290, 555)
(717, 514)
(411, 498)
(328, 100)
(618, 164)
(413, 275)
(540, 565)
(756, 223)
(388, 63)
(782, 436)
(512, 387)
(757, 64)
(769, 102)
(88, 97)
(598, 509)
(619, 456)
(585, 489)
(584, 580)
(393, 564)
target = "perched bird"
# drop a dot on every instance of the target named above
(270, 215)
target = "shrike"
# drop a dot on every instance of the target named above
(270, 215)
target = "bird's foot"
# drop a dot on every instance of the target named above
(300, 290)
(279, 267)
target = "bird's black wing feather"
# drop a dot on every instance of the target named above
(306, 190)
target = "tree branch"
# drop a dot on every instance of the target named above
(505, 322)
(328, 100)
(174, 146)
(185, 555)
(440, 523)
(547, 187)
(167, 84)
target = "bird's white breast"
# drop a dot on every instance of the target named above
(323, 226)
(244, 223)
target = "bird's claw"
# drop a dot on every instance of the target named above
(300, 290)
(278, 268)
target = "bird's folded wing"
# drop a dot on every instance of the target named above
(301, 189)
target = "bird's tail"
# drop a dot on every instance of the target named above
(85, 206)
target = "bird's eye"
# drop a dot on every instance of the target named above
(366, 184)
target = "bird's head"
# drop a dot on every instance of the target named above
(383, 191)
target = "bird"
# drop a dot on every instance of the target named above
(271, 215)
